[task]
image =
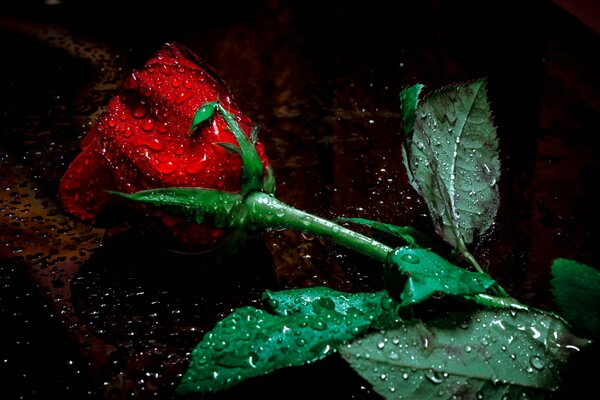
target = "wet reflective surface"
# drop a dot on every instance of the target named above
(87, 313)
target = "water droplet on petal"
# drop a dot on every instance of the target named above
(148, 124)
(187, 84)
(175, 82)
(165, 69)
(152, 144)
(166, 167)
(182, 97)
(138, 110)
(195, 166)
(163, 128)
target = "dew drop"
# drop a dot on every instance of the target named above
(148, 124)
(300, 342)
(183, 97)
(468, 348)
(138, 110)
(220, 345)
(410, 258)
(195, 166)
(386, 303)
(163, 128)
(318, 326)
(152, 144)
(175, 82)
(433, 376)
(166, 167)
(537, 363)
(165, 70)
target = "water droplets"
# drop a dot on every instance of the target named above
(537, 362)
(410, 258)
(434, 376)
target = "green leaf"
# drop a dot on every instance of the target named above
(576, 289)
(251, 342)
(412, 275)
(230, 147)
(409, 98)
(410, 235)
(222, 209)
(378, 307)
(484, 354)
(453, 161)
(205, 112)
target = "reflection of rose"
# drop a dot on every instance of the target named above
(142, 141)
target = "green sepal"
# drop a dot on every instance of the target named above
(205, 112)
(230, 147)
(269, 184)
(413, 275)
(222, 209)
(413, 237)
(252, 167)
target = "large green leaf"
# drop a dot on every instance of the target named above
(576, 288)
(452, 161)
(412, 275)
(484, 354)
(377, 307)
(251, 342)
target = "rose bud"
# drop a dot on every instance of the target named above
(143, 141)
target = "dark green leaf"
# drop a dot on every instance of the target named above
(378, 307)
(251, 342)
(205, 112)
(230, 147)
(453, 161)
(222, 209)
(576, 288)
(409, 98)
(410, 235)
(413, 275)
(469, 355)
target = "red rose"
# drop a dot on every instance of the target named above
(142, 141)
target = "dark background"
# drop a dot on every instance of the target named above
(322, 81)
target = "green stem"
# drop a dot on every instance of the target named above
(266, 212)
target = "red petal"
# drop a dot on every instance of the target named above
(82, 187)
